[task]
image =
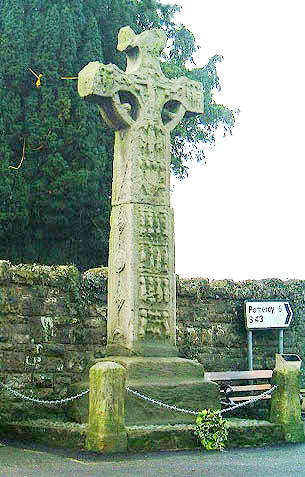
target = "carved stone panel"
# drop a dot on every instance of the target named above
(141, 173)
(141, 279)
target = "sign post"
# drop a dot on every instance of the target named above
(262, 315)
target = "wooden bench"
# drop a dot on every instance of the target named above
(234, 394)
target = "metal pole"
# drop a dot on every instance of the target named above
(281, 341)
(250, 350)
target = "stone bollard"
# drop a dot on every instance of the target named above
(285, 400)
(106, 427)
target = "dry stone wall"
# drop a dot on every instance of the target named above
(53, 325)
(211, 323)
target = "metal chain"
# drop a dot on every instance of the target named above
(136, 393)
(187, 411)
(161, 404)
(40, 401)
(251, 401)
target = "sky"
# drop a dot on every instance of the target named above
(241, 215)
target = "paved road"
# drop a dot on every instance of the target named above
(25, 460)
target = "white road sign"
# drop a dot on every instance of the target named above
(268, 314)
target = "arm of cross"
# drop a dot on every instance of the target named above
(185, 96)
(102, 84)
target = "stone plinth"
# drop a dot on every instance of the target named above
(174, 381)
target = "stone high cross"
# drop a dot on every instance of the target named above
(143, 106)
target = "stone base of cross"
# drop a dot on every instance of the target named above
(143, 106)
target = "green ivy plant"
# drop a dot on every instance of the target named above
(211, 430)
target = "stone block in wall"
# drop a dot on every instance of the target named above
(54, 350)
(221, 360)
(194, 314)
(97, 322)
(5, 347)
(51, 364)
(232, 353)
(11, 299)
(226, 307)
(220, 334)
(92, 336)
(62, 379)
(229, 318)
(18, 381)
(5, 333)
(19, 333)
(31, 301)
(13, 362)
(193, 287)
(55, 275)
(99, 311)
(5, 274)
(266, 337)
(43, 380)
(42, 328)
(77, 360)
(221, 288)
(65, 335)
(57, 329)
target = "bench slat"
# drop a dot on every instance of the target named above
(234, 375)
(253, 387)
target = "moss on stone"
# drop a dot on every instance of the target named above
(5, 271)
(54, 275)
(106, 427)
(140, 438)
(285, 404)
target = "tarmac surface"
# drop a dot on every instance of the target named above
(20, 459)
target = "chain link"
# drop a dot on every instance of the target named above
(42, 402)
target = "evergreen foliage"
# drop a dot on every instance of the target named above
(55, 198)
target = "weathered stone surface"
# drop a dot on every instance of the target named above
(47, 432)
(4, 271)
(140, 438)
(28, 342)
(164, 368)
(143, 106)
(106, 426)
(242, 432)
(44, 275)
(285, 404)
(174, 381)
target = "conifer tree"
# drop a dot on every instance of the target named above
(55, 151)
(64, 183)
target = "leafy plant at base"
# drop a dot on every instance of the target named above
(211, 430)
